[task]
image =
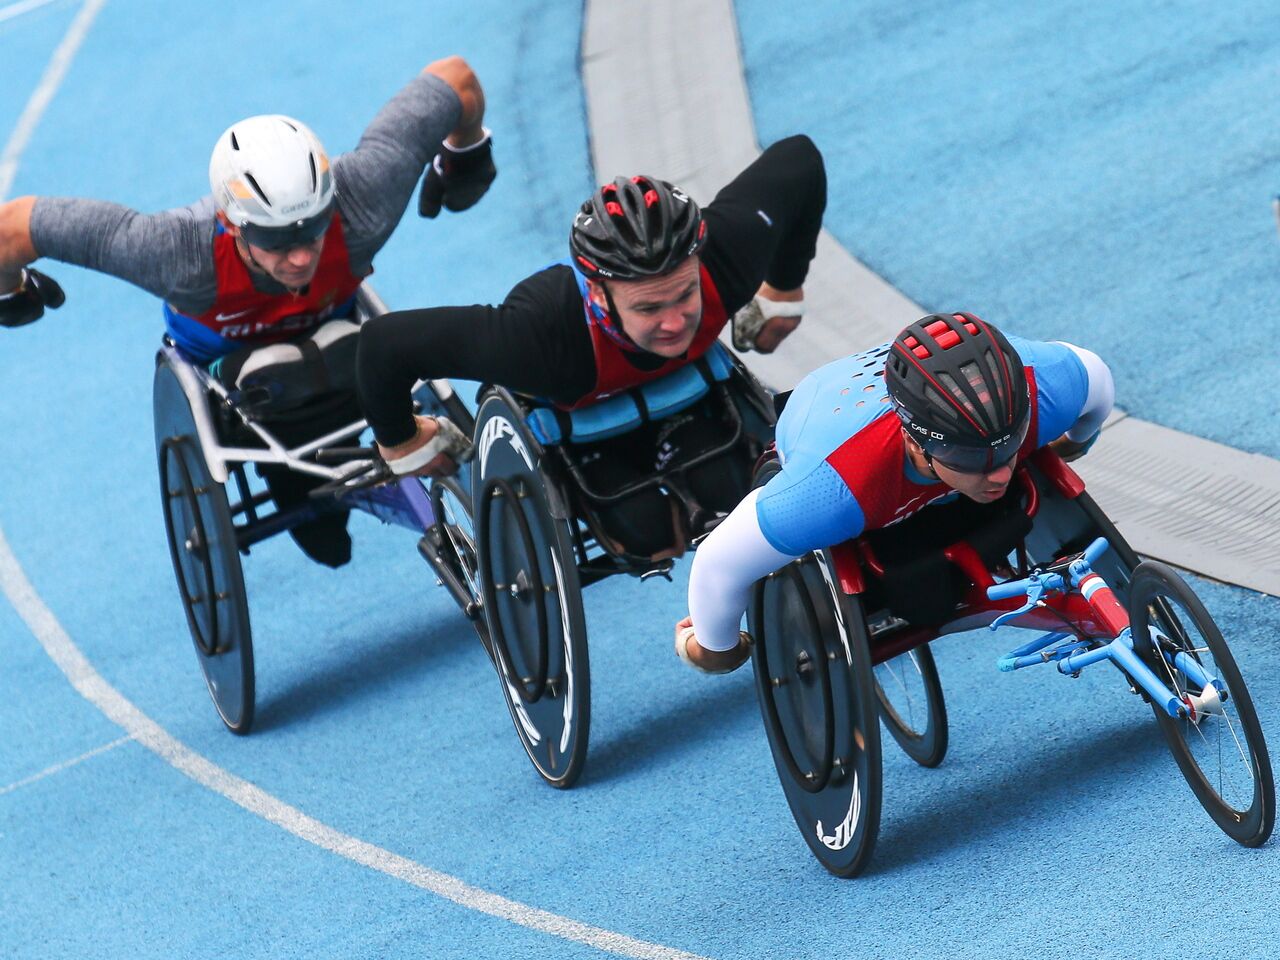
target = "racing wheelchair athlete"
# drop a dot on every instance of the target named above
(920, 488)
(262, 290)
(614, 430)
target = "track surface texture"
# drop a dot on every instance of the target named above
(1101, 177)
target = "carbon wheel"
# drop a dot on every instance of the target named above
(532, 598)
(1218, 744)
(817, 697)
(206, 559)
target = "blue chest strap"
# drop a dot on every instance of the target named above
(651, 401)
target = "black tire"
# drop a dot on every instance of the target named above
(532, 597)
(1220, 750)
(909, 695)
(206, 558)
(817, 696)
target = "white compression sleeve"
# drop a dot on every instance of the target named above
(1102, 395)
(725, 566)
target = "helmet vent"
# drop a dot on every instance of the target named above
(289, 125)
(314, 179)
(257, 189)
(235, 144)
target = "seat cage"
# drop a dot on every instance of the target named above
(405, 503)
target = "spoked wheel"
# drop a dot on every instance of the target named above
(453, 541)
(1218, 744)
(206, 559)
(909, 695)
(817, 696)
(532, 598)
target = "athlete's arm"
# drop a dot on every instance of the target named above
(165, 253)
(376, 179)
(763, 227)
(535, 342)
(1099, 398)
(725, 567)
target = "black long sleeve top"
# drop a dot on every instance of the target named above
(762, 227)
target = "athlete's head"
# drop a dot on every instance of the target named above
(274, 191)
(636, 240)
(959, 388)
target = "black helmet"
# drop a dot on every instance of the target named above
(961, 391)
(635, 227)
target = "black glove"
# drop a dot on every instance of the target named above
(27, 303)
(457, 178)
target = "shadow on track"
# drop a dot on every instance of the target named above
(371, 667)
(673, 729)
(1040, 787)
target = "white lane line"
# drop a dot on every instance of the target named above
(94, 688)
(64, 765)
(43, 95)
(18, 9)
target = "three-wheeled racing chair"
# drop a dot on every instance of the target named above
(842, 643)
(206, 436)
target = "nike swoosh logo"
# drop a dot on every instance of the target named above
(231, 316)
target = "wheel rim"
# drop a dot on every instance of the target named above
(1212, 733)
(903, 696)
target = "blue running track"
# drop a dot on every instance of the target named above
(1121, 185)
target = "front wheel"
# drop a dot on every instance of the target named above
(1218, 744)
(909, 695)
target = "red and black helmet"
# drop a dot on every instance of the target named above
(635, 227)
(960, 389)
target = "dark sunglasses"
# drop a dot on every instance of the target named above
(278, 239)
(976, 460)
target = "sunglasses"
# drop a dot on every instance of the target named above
(278, 239)
(976, 460)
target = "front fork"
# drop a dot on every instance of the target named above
(1073, 657)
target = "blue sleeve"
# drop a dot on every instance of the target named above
(1062, 385)
(802, 511)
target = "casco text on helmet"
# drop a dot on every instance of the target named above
(270, 171)
(635, 227)
(957, 382)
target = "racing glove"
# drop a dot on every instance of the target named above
(457, 177)
(26, 304)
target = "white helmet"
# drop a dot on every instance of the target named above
(270, 177)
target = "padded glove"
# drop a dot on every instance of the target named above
(457, 177)
(26, 304)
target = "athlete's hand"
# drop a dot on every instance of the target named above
(26, 304)
(458, 177)
(768, 319)
(434, 451)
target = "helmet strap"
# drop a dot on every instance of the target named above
(612, 322)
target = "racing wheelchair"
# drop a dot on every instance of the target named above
(541, 535)
(207, 434)
(842, 644)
